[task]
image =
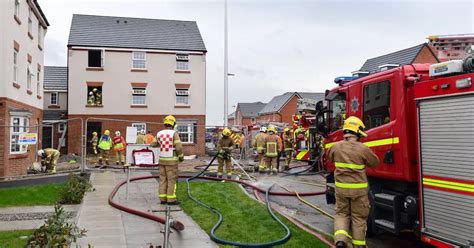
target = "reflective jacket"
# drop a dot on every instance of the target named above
(225, 145)
(288, 142)
(271, 145)
(350, 158)
(171, 149)
(105, 142)
(259, 142)
(119, 143)
(141, 139)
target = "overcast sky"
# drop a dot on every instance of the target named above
(279, 45)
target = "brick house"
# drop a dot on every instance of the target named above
(281, 108)
(23, 25)
(418, 54)
(55, 107)
(144, 69)
(247, 113)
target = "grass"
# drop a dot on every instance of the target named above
(14, 238)
(245, 220)
(46, 194)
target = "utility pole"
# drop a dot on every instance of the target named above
(226, 76)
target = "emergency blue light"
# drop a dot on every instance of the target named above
(344, 79)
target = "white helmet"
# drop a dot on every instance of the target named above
(142, 131)
(41, 153)
(263, 129)
(117, 133)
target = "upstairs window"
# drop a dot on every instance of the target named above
(182, 62)
(54, 98)
(376, 104)
(40, 37)
(15, 65)
(138, 96)
(17, 8)
(96, 58)
(94, 95)
(38, 81)
(29, 75)
(30, 23)
(138, 60)
(182, 96)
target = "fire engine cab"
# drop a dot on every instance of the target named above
(420, 122)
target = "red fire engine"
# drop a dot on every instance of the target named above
(305, 139)
(420, 122)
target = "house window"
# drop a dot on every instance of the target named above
(139, 126)
(30, 23)
(38, 83)
(17, 8)
(376, 104)
(138, 96)
(61, 127)
(15, 65)
(40, 42)
(182, 96)
(54, 98)
(187, 132)
(29, 75)
(94, 96)
(182, 62)
(96, 58)
(139, 60)
(19, 126)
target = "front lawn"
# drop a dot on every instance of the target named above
(46, 194)
(18, 238)
(245, 220)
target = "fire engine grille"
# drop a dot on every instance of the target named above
(447, 157)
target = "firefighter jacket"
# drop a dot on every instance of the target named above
(280, 144)
(141, 139)
(119, 143)
(171, 149)
(288, 141)
(94, 140)
(50, 154)
(259, 142)
(224, 147)
(271, 145)
(105, 143)
(236, 138)
(350, 158)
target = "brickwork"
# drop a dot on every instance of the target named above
(425, 56)
(16, 164)
(285, 114)
(74, 129)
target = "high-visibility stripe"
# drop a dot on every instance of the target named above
(301, 154)
(448, 184)
(177, 142)
(162, 195)
(382, 142)
(350, 166)
(169, 159)
(352, 185)
(359, 242)
(173, 196)
(343, 232)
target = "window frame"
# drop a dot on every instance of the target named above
(182, 94)
(23, 127)
(368, 124)
(102, 58)
(29, 76)
(139, 59)
(51, 98)
(138, 92)
(190, 133)
(61, 127)
(139, 124)
(17, 8)
(38, 81)
(30, 22)
(182, 62)
(40, 43)
(15, 65)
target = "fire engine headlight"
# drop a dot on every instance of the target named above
(463, 83)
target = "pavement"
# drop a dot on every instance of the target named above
(109, 227)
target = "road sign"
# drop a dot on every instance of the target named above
(28, 139)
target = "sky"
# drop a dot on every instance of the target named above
(276, 46)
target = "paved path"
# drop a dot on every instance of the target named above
(23, 218)
(109, 227)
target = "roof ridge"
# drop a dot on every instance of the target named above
(422, 44)
(136, 18)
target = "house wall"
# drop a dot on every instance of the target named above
(285, 115)
(62, 103)
(425, 56)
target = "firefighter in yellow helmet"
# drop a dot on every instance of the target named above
(171, 153)
(105, 144)
(94, 142)
(258, 144)
(352, 203)
(49, 157)
(271, 147)
(288, 144)
(224, 147)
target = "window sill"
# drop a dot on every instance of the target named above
(39, 97)
(138, 70)
(138, 106)
(30, 35)
(18, 155)
(16, 85)
(182, 71)
(94, 68)
(182, 106)
(94, 106)
(17, 19)
(55, 106)
(40, 47)
(29, 92)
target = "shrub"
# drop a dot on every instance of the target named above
(56, 231)
(74, 190)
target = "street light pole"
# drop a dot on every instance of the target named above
(226, 76)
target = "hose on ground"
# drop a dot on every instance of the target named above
(213, 235)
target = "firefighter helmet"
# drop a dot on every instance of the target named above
(94, 133)
(94, 90)
(40, 153)
(106, 132)
(170, 120)
(226, 132)
(117, 133)
(286, 130)
(354, 125)
(263, 129)
(272, 129)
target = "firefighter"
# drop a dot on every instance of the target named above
(105, 144)
(171, 153)
(98, 97)
(91, 99)
(258, 143)
(141, 138)
(288, 144)
(271, 151)
(149, 138)
(49, 157)
(119, 148)
(224, 147)
(352, 203)
(94, 141)
(280, 150)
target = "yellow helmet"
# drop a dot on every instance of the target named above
(106, 132)
(226, 132)
(354, 125)
(170, 120)
(94, 133)
(272, 129)
(94, 90)
(286, 129)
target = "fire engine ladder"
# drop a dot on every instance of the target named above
(387, 209)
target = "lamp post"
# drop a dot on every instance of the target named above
(226, 73)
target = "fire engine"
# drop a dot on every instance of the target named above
(305, 138)
(420, 122)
